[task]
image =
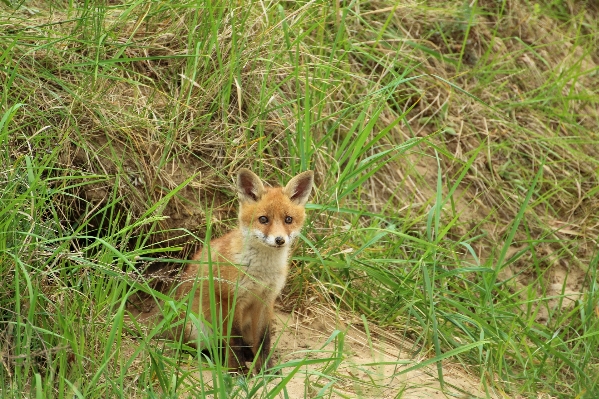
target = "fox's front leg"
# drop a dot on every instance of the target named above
(262, 348)
(238, 352)
(259, 336)
(256, 332)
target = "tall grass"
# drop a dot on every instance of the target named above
(455, 160)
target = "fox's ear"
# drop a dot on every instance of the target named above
(298, 189)
(249, 186)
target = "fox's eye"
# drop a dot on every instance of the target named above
(263, 219)
(288, 219)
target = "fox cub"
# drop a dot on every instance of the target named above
(249, 268)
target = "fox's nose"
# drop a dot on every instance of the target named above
(280, 240)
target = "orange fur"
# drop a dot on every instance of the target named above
(249, 267)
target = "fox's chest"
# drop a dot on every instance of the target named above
(263, 272)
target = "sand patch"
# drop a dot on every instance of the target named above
(329, 354)
(369, 365)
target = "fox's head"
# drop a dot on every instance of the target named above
(272, 216)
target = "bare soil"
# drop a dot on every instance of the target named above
(353, 363)
(372, 365)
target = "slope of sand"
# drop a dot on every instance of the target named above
(370, 365)
(345, 362)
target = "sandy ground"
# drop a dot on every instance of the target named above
(370, 366)
(346, 362)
